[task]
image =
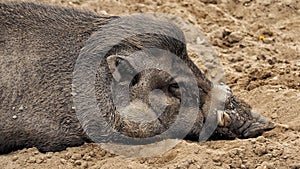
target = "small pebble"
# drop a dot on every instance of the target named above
(92, 154)
(87, 158)
(49, 154)
(236, 163)
(274, 115)
(31, 160)
(261, 139)
(63, 161)
(77, 162)
(39, 161)
(268, 165)
(21, 108)
(275, 78)
(68, 155)
(103, 12)
(35, 152)
(268, 40)
(15, 158)
(235, 37)
(261, 150)
(238, 68)
(216, 158)
(76, 157)
(14, 117)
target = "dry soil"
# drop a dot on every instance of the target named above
(258, 43)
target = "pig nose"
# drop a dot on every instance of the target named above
(258, 125)
(248, 126)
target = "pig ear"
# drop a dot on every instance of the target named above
(120, 68)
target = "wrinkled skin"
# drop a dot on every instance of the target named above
(238, 120)
(38, 49)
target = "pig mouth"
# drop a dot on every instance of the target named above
(246, 125)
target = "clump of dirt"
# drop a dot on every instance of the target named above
(258, 45)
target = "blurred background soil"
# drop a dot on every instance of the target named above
(258, 44)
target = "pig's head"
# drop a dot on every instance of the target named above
(147, 87)
(238, 120)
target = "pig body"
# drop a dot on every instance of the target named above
(39, 47)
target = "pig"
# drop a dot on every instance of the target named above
(44, 51)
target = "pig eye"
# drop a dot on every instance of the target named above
(173, 86)
(174, 89)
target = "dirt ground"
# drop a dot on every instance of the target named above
(258, 44)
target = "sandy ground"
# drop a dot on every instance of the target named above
(258, 44)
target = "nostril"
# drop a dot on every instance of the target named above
(258, 128)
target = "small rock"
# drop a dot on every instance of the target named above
(14, 117)
(92, 154)
(236, 163)
(268, 165)
(43, 158)
(49, 154)
(247, 66)
(15, 158)
(238, 68)
(268, 40)
(277, 152)
(251, 86)
(31, 160)
(63, 161)
(35, 152)
(233, 152)
(274, 115)
(249, 165)
(102, 153)
(103, 12)
(275, 78)
(39, 161)
(253, 141)
(68, 155)
(77, 162)
(239, 59)
(235, 37)
(21, 108)
(216, 158)
(261, 150)
(87, 158)
(261, 139)
(76, 157)
(225, 166)
(226, 32)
